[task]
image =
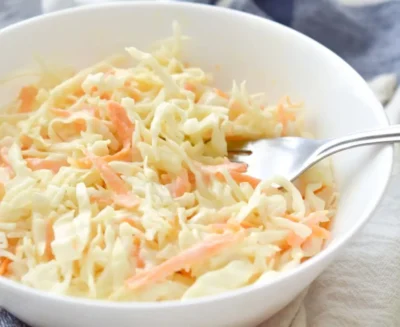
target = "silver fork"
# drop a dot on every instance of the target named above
(291, 156)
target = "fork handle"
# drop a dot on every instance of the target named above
(389, 134)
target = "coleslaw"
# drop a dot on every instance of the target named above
(115, 184)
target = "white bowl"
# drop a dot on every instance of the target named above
(271, 58)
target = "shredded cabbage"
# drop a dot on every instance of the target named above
(115, 184)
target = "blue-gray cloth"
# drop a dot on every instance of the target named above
(367, 37)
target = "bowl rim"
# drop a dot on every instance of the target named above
(328, 252)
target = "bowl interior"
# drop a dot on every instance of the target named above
(270, 58)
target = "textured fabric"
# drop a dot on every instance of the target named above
(361, 288)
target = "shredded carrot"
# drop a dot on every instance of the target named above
(180, 185)
(186, 274)
(242, 178)
(44, 133)
(190, 87)
(49, 238)
(125, 128)
(326, 224)
(26, 141)
(61, 112)
(2, 190)
(121, 121)
(105, 96)
(321, 189)
(284, 118)
(134, 94)
(294, 240)
(79, 93)
(192, 178)
(4, 155)
(128, 201)
(136, 252)
(284, 246)
(235, 169)
(80, 125)
(281, 118)
(5, 161)
(290, 116)
(246, 224)
(53, 165)
(228, 165)
(320, 232)
(193, 255)
(313, 221)
(4, 266)
(292, 218)
(221, 93)
(132, 223)
(27, 96)
(70, 100)
(165, 179)
(235, 110)
(123, 196)
(125, 154)
(113, 181)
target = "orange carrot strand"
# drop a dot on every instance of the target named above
(27, 96)
(193, 255)
(53, 165)
(4, 266)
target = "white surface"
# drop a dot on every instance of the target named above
(338, 102)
